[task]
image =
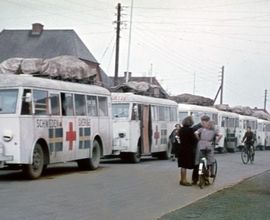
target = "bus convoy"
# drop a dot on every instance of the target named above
(44, 121)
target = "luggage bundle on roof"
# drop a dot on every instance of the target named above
(67, 68)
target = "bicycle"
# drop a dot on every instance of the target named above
(247, 154)
(204, 177)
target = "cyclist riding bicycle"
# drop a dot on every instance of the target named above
(249, 140)
(208, 135)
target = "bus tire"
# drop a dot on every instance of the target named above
(93, 162)
(135, 157)
(230, 150)
(220, 150)
(124, 156)
(34, 170)
(165, 155)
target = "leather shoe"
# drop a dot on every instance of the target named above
(185, 183)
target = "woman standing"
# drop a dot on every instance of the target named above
(185, 151)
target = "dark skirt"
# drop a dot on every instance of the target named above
(186, 157)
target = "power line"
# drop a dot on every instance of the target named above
(202, 7)
(107, 48)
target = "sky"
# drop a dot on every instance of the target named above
(183, 43)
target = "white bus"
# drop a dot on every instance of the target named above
(45, 121)
(228, 123)
(197, 111)
(244, 122)
(263, 134)
(142, 125)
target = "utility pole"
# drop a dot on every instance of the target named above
(118, 23)
(220, 89)
(221, 85)
(151, 73)
(265, 99)
(194, 83)
(129, 38)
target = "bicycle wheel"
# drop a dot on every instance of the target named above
(244, 156)
(213, 172)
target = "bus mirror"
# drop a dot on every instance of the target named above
(28, 97)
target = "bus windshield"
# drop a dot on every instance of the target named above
(8, 101)
(120, 110)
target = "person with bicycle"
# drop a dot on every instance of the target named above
(195, 176)
(208, 135)
(248, 140)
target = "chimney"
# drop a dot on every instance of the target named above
(37, 28)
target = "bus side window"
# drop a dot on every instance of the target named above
(67, 104)
(80, 105)
(26, 105)
(161, 113)
(40, 102)
(55, 105)
(103, 106)
(92, 105)
(173, 114)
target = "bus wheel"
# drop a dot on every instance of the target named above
(165, 155)
(230, 150)
(93, 162)
(124, 156)
(220, 150)
(135, 157)
(34, 170)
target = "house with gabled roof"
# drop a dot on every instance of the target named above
(42, 43)
(155, 88)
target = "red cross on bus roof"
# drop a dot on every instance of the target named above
(70, 136)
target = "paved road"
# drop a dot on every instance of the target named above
(115, 191)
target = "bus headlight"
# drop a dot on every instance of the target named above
(121, 135)
(7, 136)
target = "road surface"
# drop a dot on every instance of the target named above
(116, 190)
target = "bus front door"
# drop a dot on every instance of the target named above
(145, 129)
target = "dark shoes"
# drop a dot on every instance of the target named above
(185, 183)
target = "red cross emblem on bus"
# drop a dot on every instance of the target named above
(156, 135)
(70, 136)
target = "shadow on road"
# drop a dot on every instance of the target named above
(56, 170)
(51, 172)
(119, 161)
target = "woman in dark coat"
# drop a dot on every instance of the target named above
(186, 149)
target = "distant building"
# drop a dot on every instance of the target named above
(41, 43)
(156, 89)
